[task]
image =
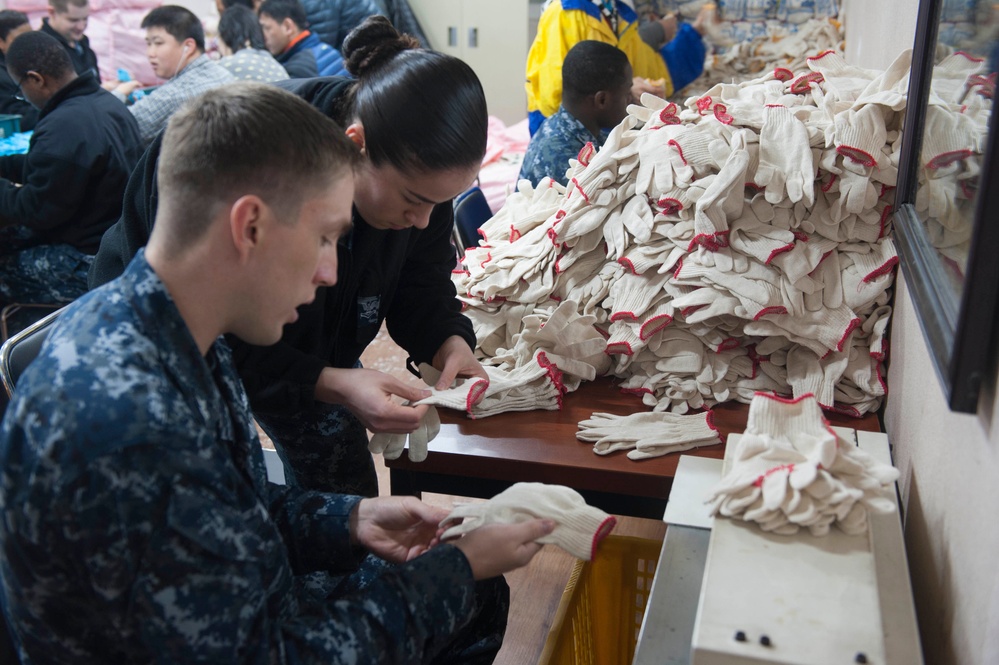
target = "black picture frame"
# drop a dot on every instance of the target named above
(959, 327)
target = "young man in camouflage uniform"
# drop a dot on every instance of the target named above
(596, 89)
(137, 523)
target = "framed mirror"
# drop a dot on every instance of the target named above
(947, 202)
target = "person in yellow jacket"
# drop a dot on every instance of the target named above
(566, 22)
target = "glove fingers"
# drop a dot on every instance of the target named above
(456, 530)
(396, 444)
(378, 443)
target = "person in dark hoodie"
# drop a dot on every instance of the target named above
(57, 200)
(13, 24)
(420, 119)
(289, 40)
(66, 23)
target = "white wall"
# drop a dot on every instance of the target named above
(949, 462)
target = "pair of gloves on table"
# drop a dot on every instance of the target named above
(648, 434)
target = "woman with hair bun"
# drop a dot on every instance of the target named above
(419, 119)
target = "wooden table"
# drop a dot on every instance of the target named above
(480, 458)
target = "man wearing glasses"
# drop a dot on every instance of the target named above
(57, 200)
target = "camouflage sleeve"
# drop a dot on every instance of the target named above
(206, 578)
(315, 527)
(406, 615)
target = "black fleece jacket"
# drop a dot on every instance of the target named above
(78, 162)
(402, 277)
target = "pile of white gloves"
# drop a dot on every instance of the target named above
(579, 528)
(791, 470)
(736, 244)
(782, 45)
(952, 153)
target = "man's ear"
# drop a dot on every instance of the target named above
(246, 225)
(51, 11)
(355, 132)
(601, 99)
(289, 28)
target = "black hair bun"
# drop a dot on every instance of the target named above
(372, 44)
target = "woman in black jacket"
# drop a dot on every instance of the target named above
(419, 117)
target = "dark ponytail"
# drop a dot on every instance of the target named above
(421, 110)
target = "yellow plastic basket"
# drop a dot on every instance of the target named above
(601, 610)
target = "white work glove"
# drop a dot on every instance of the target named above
(649, 434)
(722, 200)
(390, 446)
(579, 528)
(861, 134)
(786, 168)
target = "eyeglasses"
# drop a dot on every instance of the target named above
(19, 95)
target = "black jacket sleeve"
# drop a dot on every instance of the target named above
(53, 185)
(301, 65)
(130, 233)
(424, 309)
(12, 167)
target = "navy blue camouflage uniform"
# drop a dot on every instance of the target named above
(559, 139)
(138, 526)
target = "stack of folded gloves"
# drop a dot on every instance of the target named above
(537, 385)
(579, 528)
(649, 434)
(790, 470)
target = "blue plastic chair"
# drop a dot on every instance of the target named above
(471, 210)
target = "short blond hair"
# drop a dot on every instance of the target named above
(246, 138)
(62, 6)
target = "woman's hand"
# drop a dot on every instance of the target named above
(455, 358)
(370, 395)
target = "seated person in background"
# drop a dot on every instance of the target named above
(222, 5)
(596, 89)
(57, 200)
(331, 20)
(242, 45)
(138, 524)
(66, 23)
(566, 22)
(175, 46)
(289, 40)
(12, 25)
